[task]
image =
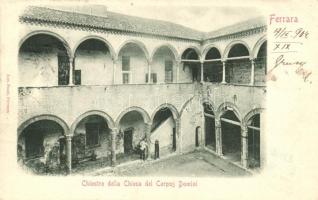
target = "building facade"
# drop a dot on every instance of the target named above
(93, 87)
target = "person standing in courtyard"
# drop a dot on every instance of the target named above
(143, 147)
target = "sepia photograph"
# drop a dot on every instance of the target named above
(106, 93)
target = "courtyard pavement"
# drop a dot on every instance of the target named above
(199, 163)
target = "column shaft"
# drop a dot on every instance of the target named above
(178, 133)
(149, 72)
(218, 137)
(147, 134)
(113, 150)
(252, 72)
(244, 150)
(201, 76)
(114, 70)
(71, 79)
(223, 72)
(69, 153)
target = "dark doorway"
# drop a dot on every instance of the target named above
(197, 136)
(128, 139)
(174, 139)
(210, 132)
(209, 127)
(231, 136)
(254, 142)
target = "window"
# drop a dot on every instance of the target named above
(153, 78)
(126, 69)
(92, 134)
(168, 71)
(125, 63)
(63, 70)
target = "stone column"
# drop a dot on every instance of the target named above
(244, 146)
(223, 71)
(114, 132)
(218, 137)
(149, 72)
(115, 61)
(252, 72)
(147, 134)
(178, 136)
(201, 77)
(71, 79)
(69, 153)
(178, 62)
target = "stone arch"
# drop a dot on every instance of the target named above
(144, 114)
(185, 105)
(208, 48)
(231, 44)
(50, 33)
(224, 107)
(171, 107)
(250, 114)
(257, 46)
(109, 120)
(49, 117)
(208, 101)
(99, 38)
(196, 49)
(141, 45)
(169, 46)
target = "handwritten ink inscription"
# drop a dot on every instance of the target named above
(287, 45)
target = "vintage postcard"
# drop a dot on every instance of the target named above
(152, 100)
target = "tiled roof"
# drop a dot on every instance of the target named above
(238, 27)
(121, 22)
(114, 21)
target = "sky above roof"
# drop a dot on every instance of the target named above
(201, 18)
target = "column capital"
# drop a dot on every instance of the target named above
(68, 137)
(217, 123)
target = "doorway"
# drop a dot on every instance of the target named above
(174, 139)
(197, 136)
(128, 139)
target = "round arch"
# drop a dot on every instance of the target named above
(170, 47)
(196, 49)
(231, 44)
(208, 48)
(109, 120)
(171, 107)
(258, 45)
(144, 114)
(50, 33)
(250, 114)
(225, 107)
(99, 38)
(141, 45)
(54, 118)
